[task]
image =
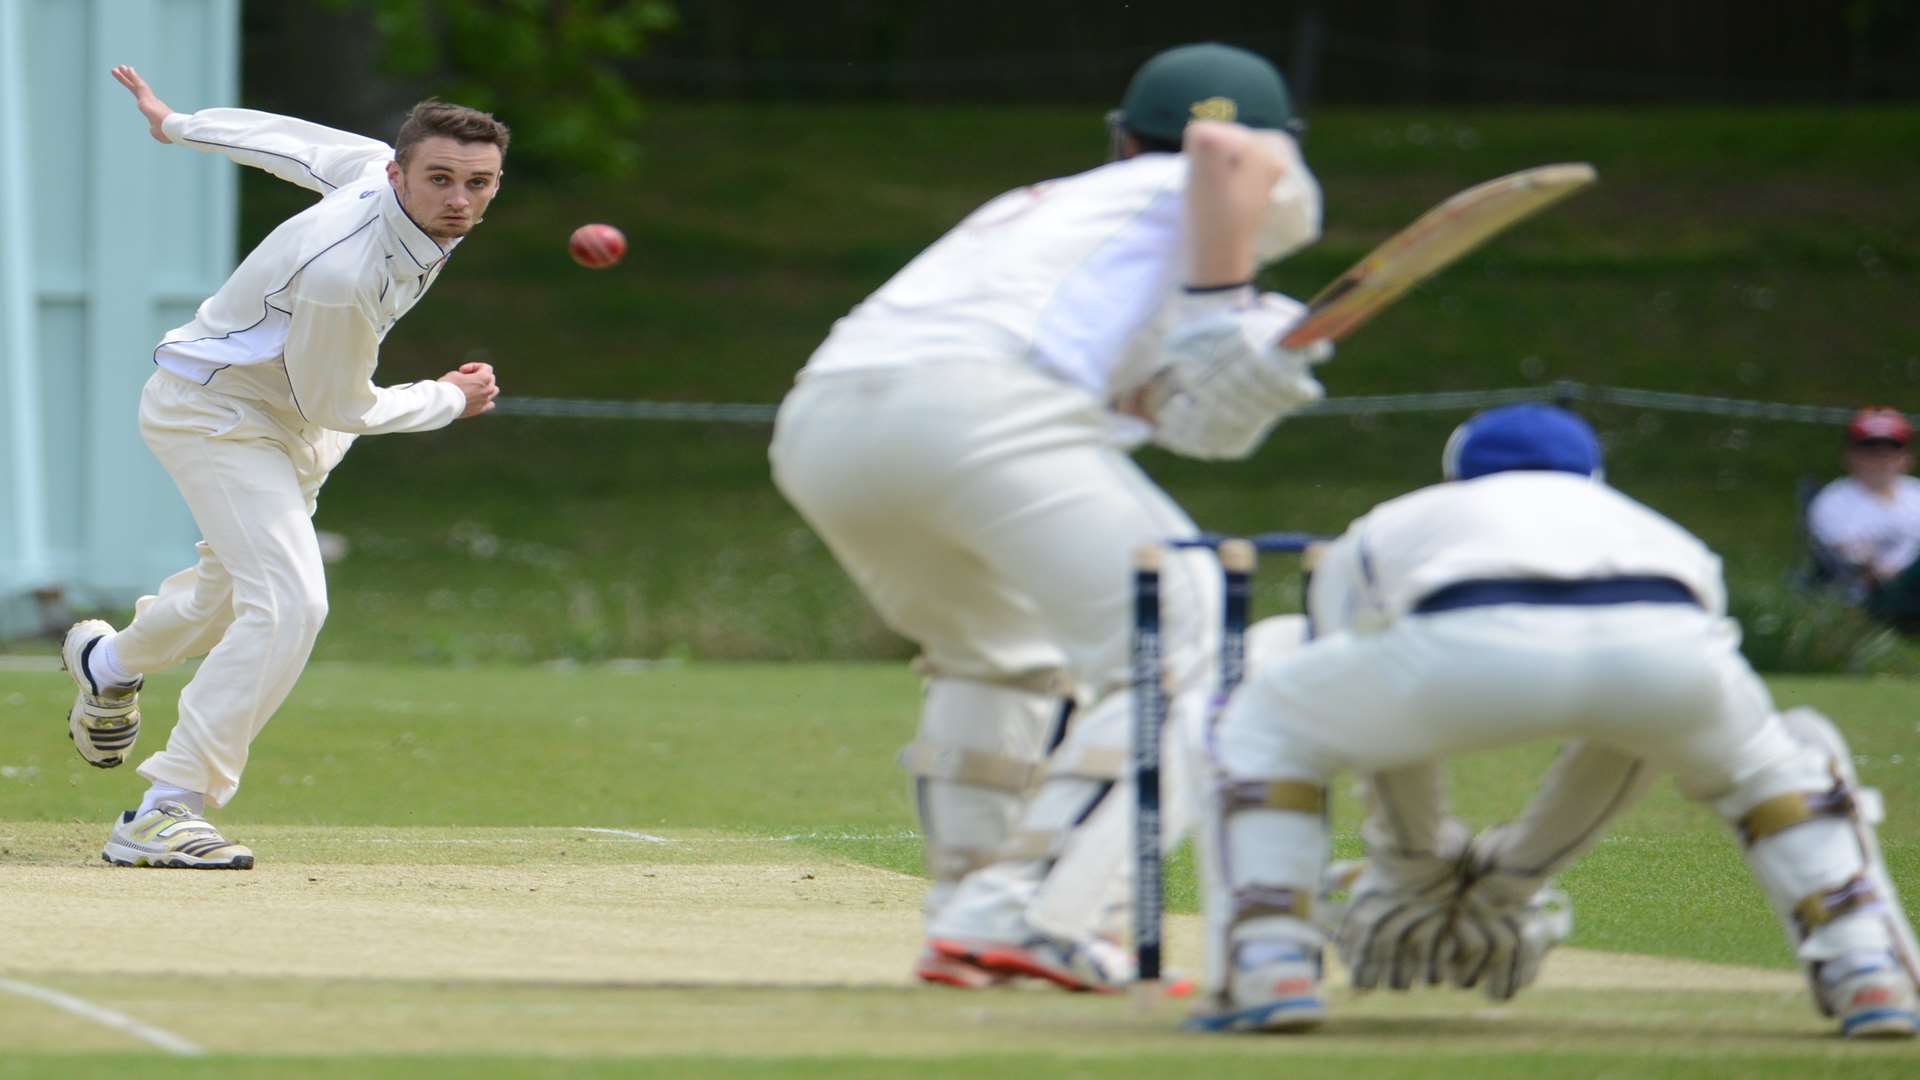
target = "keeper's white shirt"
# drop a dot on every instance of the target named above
(1523, 524)
(1883, 534)
(1072, 276)
(298, 325)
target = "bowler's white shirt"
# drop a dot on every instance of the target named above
(298, 325)
(1865, 529)
(1072, 276)
(1524, 524)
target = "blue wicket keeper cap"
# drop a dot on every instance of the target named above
(1521, 437)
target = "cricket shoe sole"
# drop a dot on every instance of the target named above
(1284, 1014)
(103, 723)
(1875, 1001)
(1070, 966)
(1280, 995)
(937, 970)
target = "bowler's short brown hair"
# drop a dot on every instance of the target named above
(434, 117)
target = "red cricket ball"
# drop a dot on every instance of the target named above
(597, 247)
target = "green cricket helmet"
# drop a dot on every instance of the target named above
(1203, 82)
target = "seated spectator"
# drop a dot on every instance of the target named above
(1870, 518)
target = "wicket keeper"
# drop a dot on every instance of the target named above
(1521, 600)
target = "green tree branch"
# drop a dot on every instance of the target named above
(549, 68)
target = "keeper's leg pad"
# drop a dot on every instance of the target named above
(1263, 845)
(979, 754)
(1807, 827)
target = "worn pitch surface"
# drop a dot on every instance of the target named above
(600, 941)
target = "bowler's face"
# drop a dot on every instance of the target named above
(447, 185)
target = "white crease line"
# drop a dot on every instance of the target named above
(624, 834)
(29, 663)
(652, 839)
(648, 838)
(850, 836)
(100, 1014)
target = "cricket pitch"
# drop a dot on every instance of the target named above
(620, 943)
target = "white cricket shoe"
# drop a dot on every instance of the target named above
(172, 836)
(1098, 966)
(104, 720)
(1279, 993)
(1871, 994)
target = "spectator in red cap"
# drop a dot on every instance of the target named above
(1870, 518)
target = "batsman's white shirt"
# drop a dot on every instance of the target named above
(1070, 276)
(951, 439)
(298, 325)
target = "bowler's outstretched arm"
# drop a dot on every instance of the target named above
(144, 99)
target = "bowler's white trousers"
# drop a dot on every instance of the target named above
(255, 601)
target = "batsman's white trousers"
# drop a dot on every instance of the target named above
(986, 515)
(1660, 681)
(254, 602)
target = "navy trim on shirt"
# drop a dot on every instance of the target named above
(331, 186)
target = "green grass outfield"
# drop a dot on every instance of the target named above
(696, 869)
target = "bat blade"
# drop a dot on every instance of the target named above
(1437, 238)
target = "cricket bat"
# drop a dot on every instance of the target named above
(1438, 237)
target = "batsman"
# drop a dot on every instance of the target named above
(1522, 599)
(961, 443)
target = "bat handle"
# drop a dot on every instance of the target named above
(1144, 401)
(1303, 333)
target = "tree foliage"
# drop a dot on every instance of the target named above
(549, 68)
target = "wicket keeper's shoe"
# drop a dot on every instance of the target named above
(104, 720)
(1278, 992)
(1098, 965)
(1871, 994)
(172, 835)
